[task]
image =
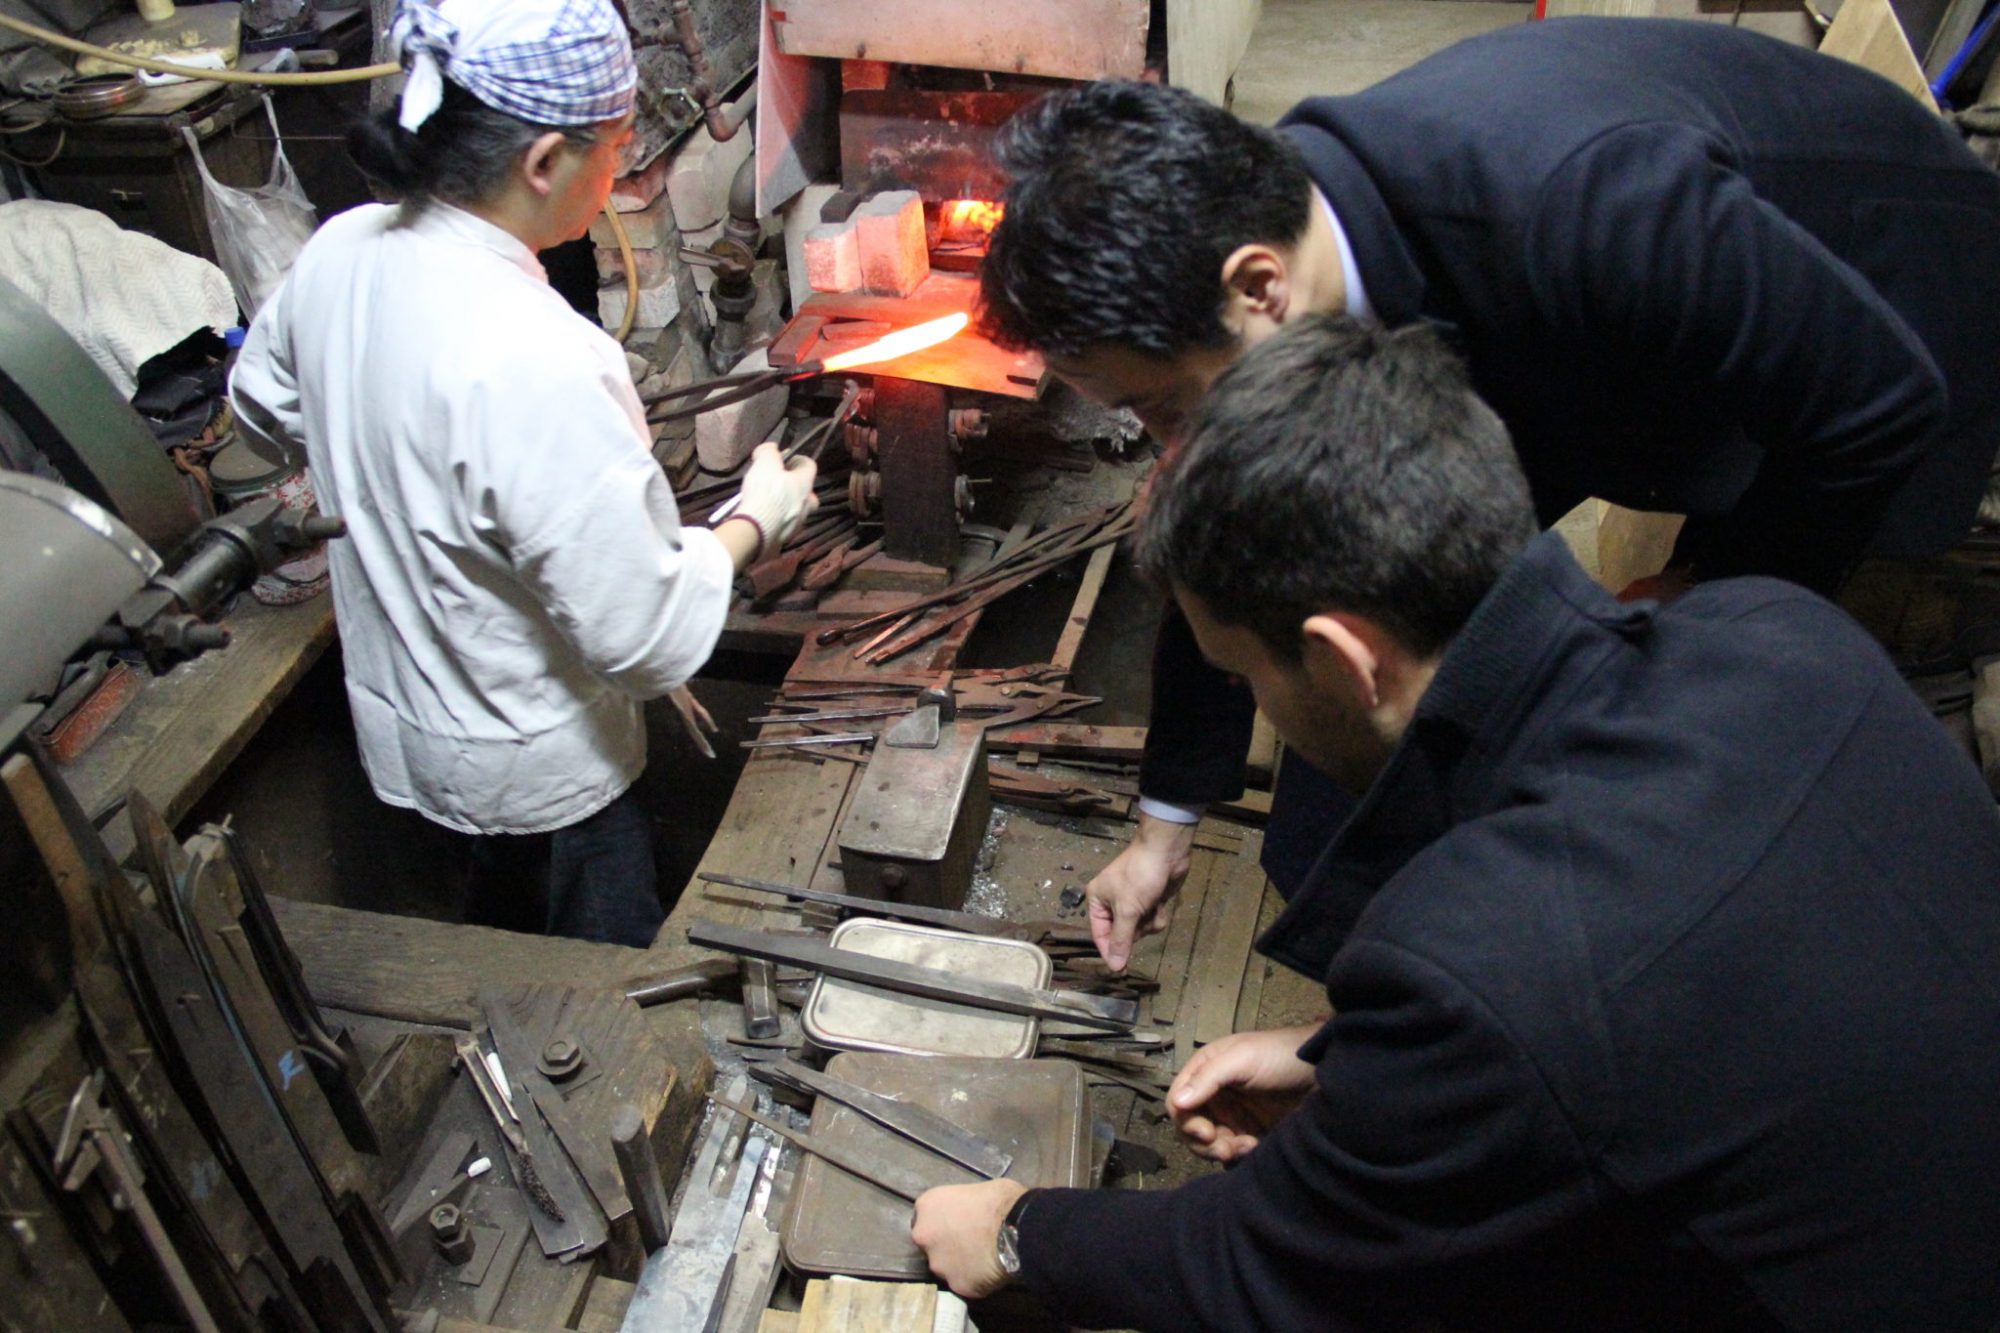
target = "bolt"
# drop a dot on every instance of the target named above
(450, 1234)
(561, 1058)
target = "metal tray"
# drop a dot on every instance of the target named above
(1035, 1109)
(847, 1015)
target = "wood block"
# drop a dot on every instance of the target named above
(849, 1305)
(894, 258)
(833, 257)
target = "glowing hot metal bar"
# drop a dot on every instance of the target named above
(900, 343)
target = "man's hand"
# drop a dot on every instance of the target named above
(958, 1229)
(1230, 1094)
(1133, 895)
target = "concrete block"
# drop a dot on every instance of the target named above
(631, 193)
(655, 266)
(724, 438)
(800, 216)
(658, 304)
(650, 228)
(832, 253)
(894, 257)
(698, 180)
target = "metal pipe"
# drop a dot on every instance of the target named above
(722, 122)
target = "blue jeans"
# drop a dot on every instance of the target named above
(591, 880)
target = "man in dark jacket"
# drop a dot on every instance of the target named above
(1663, 948)
(1693, 269)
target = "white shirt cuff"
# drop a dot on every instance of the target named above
(1171, 813)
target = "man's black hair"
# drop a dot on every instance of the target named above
(460, 155)
(1126, 199)
(1341, 467)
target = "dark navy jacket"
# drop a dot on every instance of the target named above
(1694, 270)
(1665, 960)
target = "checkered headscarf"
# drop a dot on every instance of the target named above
(548, 62)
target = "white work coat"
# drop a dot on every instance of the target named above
(515, 578)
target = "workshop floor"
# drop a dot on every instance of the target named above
(304, 805)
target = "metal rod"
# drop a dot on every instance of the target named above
(680, 983)
(928, 982)
(760, 998)
(640, 1169)
(844, 738)
(929, 916)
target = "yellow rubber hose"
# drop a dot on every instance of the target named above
(631, 270)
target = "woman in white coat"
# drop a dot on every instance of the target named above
(516, 581)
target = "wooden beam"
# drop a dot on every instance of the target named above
(186, 726)
(1222, 953)
(1078, 39)
(1080, 610)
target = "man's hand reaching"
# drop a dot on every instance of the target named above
(1133, 896)
(1233, 1091)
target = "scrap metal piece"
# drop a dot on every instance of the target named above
(679, 983)
(843, 738)
(595, 1169)
(971, 923)
(685, 1284)
(913, 1122)
(909, 979)
(760, 999)
(93, 1140)
(473, 1058)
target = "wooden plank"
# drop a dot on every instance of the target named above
(430, 971)
(1177, 951)
(1078, 624)
(1079, 39)
(1057, 740)
(186, 726)
(1867, 33)
(779, 1321)
(849, 1305)
(1222, 953)
(1205, 42)
(1260, 766)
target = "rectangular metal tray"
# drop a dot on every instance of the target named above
(850, 1016)
(1035, 1109)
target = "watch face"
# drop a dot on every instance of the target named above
(1010, 1251)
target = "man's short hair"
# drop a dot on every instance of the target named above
(1341, 467)
(1126, 199)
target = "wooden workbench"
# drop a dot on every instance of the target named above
(185, 727)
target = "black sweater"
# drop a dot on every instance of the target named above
(1694, 270)
(1669, 997)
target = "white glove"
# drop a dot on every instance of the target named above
(776, 497)
(695, 718)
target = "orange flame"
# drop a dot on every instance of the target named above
(964, 215)
(900, 343)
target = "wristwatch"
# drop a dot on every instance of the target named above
(1008, 1246)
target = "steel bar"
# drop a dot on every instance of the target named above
(993, 592)
(680, 983)
(641, 1171)
(1065, 535)
(968, 922)
(913, 1122)
(909, 979)
(853, 715)
(842, 738)
(879, 1174)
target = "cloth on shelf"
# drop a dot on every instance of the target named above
(125, 297)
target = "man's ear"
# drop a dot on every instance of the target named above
(1346, 653)
(1257, 288)
(538, 162)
